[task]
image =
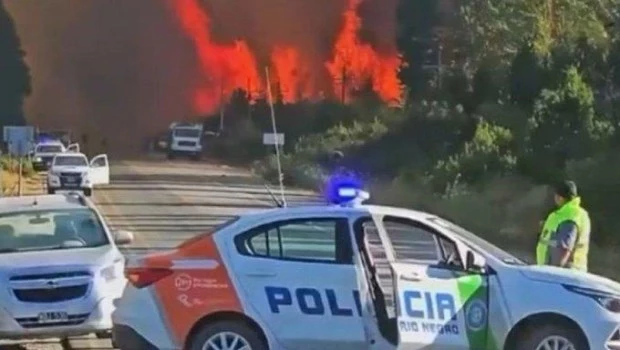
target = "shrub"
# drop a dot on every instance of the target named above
(486, 155)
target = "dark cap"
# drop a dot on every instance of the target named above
(566, 189)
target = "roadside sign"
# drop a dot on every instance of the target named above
(19, 139)
(273, 139)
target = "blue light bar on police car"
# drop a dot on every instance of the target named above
(350, 197)
(345, 190)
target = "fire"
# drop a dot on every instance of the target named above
(292, 74)
(353, 64)
(225, 68)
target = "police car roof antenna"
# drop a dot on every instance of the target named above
(275, 144)
(278, 203)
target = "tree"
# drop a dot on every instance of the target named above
(416, 22)
(488, 153)
(526, 76)
(14, 73)
(492, 29)
(564, 125)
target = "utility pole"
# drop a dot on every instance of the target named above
(275, 133)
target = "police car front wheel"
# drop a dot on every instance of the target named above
(227, 335)
(552, 337)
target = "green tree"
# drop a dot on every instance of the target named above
(492, 29)
(488, 153)
(14, 73)
(526, 77)
(416, 23)
(564, 125)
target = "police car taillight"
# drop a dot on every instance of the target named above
(141, 277)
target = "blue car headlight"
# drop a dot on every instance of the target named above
(609, 301)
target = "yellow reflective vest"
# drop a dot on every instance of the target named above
(570, 211)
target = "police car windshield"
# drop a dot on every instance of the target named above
(186, 132)
(49, 149)
(50, 230)
(70, 161)
(497, 252)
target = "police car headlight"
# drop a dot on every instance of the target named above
(609, 301)
(38, 159)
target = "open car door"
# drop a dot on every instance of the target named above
(74, 148)
(100, 170)
(440, 303)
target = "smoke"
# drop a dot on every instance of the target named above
(115, 69)
(124, 69)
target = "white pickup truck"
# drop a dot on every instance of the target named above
(73, 171)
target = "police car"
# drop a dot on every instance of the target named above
(352, 276)
(44, 152)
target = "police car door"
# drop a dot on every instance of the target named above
(438, 304)
(299, 276)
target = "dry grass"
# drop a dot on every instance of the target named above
(30, 185)
(507, 212)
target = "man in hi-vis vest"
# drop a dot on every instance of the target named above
(565, 237)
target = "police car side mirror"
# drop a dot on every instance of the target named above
(474, 262)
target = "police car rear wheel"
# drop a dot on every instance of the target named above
(551, 337)
(227, 335)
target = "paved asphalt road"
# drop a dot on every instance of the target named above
(165, 202)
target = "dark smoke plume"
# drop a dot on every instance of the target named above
(112, 68)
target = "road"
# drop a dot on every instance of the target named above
(165, 202)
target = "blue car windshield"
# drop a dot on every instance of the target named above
(468, 236)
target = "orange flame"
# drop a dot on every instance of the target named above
(355, 64)
(224, 67)
(292, 74)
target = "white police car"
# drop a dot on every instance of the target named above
(45, 151)
(357, 277)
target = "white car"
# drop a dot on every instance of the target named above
(44, 152)
(60, 268)
(352, 277)
(73, 171)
